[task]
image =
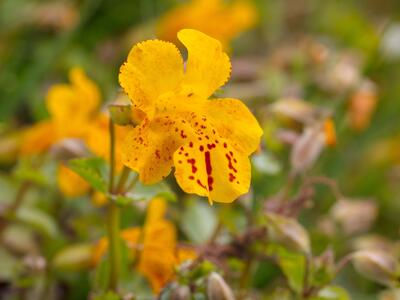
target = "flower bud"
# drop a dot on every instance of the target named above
(354, 216)
(121, 114)
(376, 265)
(307, 148)
(288, 232)
(217, 289)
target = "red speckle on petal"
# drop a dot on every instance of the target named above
(225, 145)
(191, 177)
(191, 144)
(201, 148)
(200, 184)
(183, 135)
(231, 177)
(158, 154)
(192, 161)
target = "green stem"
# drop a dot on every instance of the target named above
(13, 208)
(113, 221)
(114, 242)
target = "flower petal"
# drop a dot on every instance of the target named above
(210, 166)
(148, 147)
(70, 183)
(153, 68)
(73, 104)
(38, 138)
(234, 121)
(208, 67)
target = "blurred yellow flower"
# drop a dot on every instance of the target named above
(71, 108)
(217, 18)
(208, 141)
(155, 246)
(70, 183)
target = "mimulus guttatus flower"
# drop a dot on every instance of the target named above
(74, 110)
(217, 18)
(207, 140)
(154, 246)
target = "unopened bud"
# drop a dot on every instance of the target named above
(376, 265)
(181, 293)
(217, 289)
(121, 114)
(288, 232)
(307, 148)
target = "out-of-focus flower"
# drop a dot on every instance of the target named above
(362, 106)
(216, 18)
(155, 245)
(99, 199)
(70, 183)
(342, 73)
(71, 108)
(330, 132)
(60, 15)
(354, 216)
(208, 141)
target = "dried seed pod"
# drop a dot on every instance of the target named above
(376, 265)
(288, 232)
(217, 288)
(307, 148)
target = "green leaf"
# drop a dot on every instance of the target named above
(38, 219)
(91, 169)
(74, 257)
(26, 171)
(198, 221)
(332, 292)
(107, 296)
(292, 264)
(147, 192)
(101, 275)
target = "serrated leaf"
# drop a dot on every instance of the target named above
(38, 219)
(92, 170)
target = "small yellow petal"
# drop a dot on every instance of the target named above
(211, 166)
(73, 104)
(38, 138)
(99, 199)
(208, 67)
(70, 183)
(153, 68)
(234, 121)
(148, 148)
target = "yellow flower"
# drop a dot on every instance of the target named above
(155, 245)
(208, 141)
(216, 18)
(70, 183)
(71, 108)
